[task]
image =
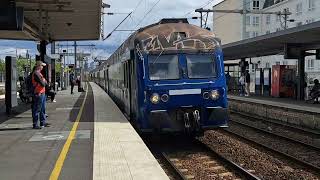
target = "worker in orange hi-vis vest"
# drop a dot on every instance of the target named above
(39, 83)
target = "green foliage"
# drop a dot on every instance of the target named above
(2, 65)
(23, 65)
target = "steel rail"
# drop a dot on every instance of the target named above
(294, 159)
(173, 166)
(303, 130)
(278, 135)
(237, 168)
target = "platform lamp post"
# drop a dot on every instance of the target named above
(64, 69)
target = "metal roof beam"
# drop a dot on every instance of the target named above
(52, 2)
(49, 10)
(32, 29)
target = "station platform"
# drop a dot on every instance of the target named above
(89, 138)
(289, 111)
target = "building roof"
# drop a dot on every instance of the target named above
(307, 37)
(67, 20)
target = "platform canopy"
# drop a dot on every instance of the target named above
(306, 37)
(60, 20)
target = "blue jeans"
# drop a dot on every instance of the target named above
(39, 107)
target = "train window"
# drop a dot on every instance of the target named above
(201, 66)
(163, 67)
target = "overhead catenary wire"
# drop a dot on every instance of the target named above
(147, 13)
(205, 4)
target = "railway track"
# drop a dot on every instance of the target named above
(207, 164)
(295, 128)
(303, 154)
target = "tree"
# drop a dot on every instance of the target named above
(2, 65)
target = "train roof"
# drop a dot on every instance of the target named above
(164, 36)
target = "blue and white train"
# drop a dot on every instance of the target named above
(168, 76)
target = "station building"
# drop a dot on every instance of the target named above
(232, 27)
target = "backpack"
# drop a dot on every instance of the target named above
(29, 85)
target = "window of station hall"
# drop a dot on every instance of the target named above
(256, 21)
(268, 19)
(299, 9)
(256, 5)
(311, 4)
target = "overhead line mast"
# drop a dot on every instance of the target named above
(285, 13)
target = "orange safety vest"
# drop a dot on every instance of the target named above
(38, 89)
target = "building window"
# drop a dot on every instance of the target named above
(248, 19)
(312, 5)
(267, 65)
(268, 19)
(268, 32)
(255, 34)
(278, 63)
(277, 18)
(256, 5)
(310, 64)
(255, 21)
(299, 9)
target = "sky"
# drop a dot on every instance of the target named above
(145, 12)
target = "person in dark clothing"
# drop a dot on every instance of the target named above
(50, 92)
(228, 77)
(247, 83)
(72, 81)
(315, 91)
(39, 83)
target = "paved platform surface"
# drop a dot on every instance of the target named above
(279, 102)
(89, 139)
(119, 152)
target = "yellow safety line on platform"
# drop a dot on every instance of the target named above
(63, 154)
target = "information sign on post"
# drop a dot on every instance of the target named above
(11, 83)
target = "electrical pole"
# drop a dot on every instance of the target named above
(239, 11)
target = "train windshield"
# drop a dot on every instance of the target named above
(163, 67)
(201, 66)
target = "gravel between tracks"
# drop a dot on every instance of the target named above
(264, 164)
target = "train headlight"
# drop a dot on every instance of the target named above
(206, 95)
(214, 95)
(155, 98)
(165, 98)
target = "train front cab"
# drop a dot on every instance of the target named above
(183, 92)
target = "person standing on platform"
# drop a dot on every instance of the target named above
(315, 91)
(39, 83)
(72, 81)
(228, 77)
(241, 84)
(247, 83)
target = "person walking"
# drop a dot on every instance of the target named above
(39, 83)
(72, 81)
(247, 83)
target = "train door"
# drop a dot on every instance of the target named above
(133, 90)
(127, 87)
(107, 80)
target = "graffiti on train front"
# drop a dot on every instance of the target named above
(178, 41)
